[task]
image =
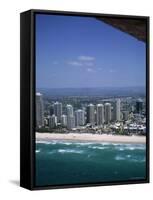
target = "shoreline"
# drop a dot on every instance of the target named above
(86, 137)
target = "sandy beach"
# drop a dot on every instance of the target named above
(91, 137)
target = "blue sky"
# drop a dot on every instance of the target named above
(77, 52)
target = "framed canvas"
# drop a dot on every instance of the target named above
(84, 99)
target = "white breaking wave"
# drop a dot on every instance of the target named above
(130, 158)
(37, 151)
(83, 143)
(97, 147)
(116, 144)
(105, 143)
(120, 158)
(129, 147)
(138, 160)
(48, 142)
(43, 142)
(121, 149)
(69, 151)
(67, 143)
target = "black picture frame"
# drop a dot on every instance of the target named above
(27, 97)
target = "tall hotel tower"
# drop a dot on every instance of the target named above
(99, 114)
(107, 112)
(39, 110)
(64, 120)
(117, 110)
(52, 121)
(70, 117)
(58, 111)
(79, 117)
(91, 114)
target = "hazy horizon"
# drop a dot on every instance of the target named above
(105, 91)
(104, 87)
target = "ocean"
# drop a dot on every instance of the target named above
(69, 162)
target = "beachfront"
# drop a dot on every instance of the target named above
(91, 137)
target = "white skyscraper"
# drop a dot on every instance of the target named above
(107, 112)
(64, 120)
(99, 114)
(79, 117)
(39, 110)
(70, 117)
(117, 110)
(91, 114)
(70, 122)
(52, 121)
(69, 110)
(58, 111)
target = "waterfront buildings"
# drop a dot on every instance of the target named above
(69, 110)
(52, 121)
(106, 116)
(70, 117)
(107, 112)
(64, 120)
(70, 122)
(117, 110)
(51, 110)
(39, 110)
(79, 117)
(100, 114)
(91, 114)
(58, 111)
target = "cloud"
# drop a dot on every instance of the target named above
(74, 63)
(90, 70)
(82, 61)
(86, 58)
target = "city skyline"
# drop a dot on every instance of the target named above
(88, 53)
(109, 115)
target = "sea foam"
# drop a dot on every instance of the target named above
(70, 151)
(97, 147)
(37, 151)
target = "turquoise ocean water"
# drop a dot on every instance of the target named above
(66, 162)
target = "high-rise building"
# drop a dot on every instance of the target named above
(52, 121)
(64, 120)
(58, 111)
(51, 110)
(125, 115)
(99, 114)
(70, 122)
(117, 110)
(107, 112)
(70, 117)
(91, 114)
(39, 110)
(69, 110)
(139, 106)
(79, 117)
